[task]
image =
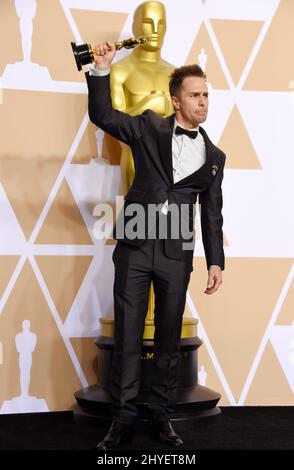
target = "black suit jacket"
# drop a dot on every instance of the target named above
(150, 138)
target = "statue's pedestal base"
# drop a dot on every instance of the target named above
(192, 404)
(193, 401)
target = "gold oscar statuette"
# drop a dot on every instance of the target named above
(84, 53)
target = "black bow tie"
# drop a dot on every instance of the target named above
(192, 134)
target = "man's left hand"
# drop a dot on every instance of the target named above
(214, 279)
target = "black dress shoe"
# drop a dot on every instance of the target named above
(165, 433)
(118, 433)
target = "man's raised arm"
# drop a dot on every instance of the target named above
(120, 125)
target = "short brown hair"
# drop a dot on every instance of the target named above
(179, 74)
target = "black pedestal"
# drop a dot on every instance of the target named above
(193, 401)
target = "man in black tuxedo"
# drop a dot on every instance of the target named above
(174, 162)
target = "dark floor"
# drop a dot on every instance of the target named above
(237, 428)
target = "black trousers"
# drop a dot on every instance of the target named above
(135, 268)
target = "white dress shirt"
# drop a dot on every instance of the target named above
(188, 154)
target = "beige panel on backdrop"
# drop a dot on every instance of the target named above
(53, 376)
(38, 129)
(99, 26)
(7, 266)
(270, 385)
(213, 70)
(64, 223)
(64, 287)
(236, 143)
(51, 42)
(286, 315)
(236, 316)
(273, 68)
(236, 39)
(87, 148)
(87, 354)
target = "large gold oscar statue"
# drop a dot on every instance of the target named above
(139, 82)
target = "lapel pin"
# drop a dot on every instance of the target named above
(214, 169)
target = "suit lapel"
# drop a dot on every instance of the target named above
(165, 145)
(209, 147)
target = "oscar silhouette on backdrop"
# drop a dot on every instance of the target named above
(26, 72)
(26, 12)
(202, 375)
(25, 346)
(202, 59)
(25, 343)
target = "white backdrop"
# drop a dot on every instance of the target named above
(57, 275)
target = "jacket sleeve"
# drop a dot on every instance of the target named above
(211, 201)
(120, 125)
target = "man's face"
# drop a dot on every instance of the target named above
(152, 25)
(191, 104)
